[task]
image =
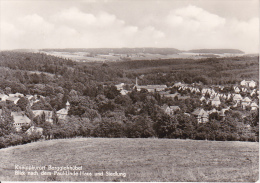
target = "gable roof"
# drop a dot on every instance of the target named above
(40, 112)
(175, 108)
(237, 97)
(20, 117)
(164, 107)
(199, 112)
(253, 104)
(63, 111)
(246, 99)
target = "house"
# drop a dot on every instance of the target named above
(167, 109)
(224, 96)
(3, 97)
(243, 83)
(170, 109)
(229, 96)
(120, 86)
(151, 88)
(178, 84)
(253, 106)
(63, 113)
(175, 108)
(244, 89)
(13, 99)
(245, 102)
(236, 89)
(222, 114)
(212, 111)
(237, 98)
(252, 92)
(34, 130)
(123, 92)
(201, 115)
(32, 99)
(250, 84)
(20, 119)
(204, 91)
(47, 113)
(202, 99)
(215, 101)
(16, 95)
(172, 95)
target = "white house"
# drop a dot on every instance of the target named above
(3, 97)
(34, 130)
(236, 89)
(245, 102)
(250, 84)
(201, 115)
(202, 99)
(47, 113)
(63, 113)
(120, 86)
(13, 99)
(20, 119)
(253, 106)
(237, 98)
(243, 83)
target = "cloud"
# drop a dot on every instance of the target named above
(185, 28)
(192, 27)
(74, 28)
(194, 19)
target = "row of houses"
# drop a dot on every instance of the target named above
(215, 97)
(251, 84)
(20, 119)
(200, 114)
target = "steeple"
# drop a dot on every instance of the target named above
(67, 105)
(136, 81)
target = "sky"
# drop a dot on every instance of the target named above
(180, 24)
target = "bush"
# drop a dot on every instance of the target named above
(2, 142)
(232, 137)
(201, 136)
(221, 136)
(13, 139)
(243, 138)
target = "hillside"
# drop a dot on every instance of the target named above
(141, 160)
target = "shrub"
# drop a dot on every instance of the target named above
(221, 136)
(200, 136)
(232, 137)
(2, 142)
(13, 139)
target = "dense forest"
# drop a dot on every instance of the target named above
(99, 110)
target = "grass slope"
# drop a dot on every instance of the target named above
(140, 159)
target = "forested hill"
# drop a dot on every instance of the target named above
(209, 70)
(217, 51)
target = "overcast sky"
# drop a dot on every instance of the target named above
(178, 24)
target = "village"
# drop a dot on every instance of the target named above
(243, 97)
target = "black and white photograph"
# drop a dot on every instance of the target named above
(129, 90)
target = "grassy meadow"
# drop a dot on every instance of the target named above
(141, 160)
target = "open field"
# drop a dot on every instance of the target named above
(83, 56)
(141, 160)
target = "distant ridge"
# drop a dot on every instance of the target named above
(217, 51)
(151, 50)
